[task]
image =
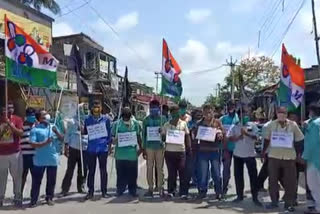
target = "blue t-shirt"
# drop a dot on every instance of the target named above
(227, 121)
(49, 154)
(98, 144)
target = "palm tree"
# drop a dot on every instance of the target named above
(51, 5)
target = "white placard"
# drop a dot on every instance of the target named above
(97, 131)
(282, 140)
(127, 139)
(206, 133)
(175, 137)
(153, 133)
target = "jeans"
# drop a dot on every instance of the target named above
(13, 164)
(127, 174)
(203, 177)
(38, 172)
(27, 166)
(227, 171)
(251, 164)
(176, 163)
(73, 160)
(92, 163)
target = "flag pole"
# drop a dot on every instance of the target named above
(60, 97)
(6, 70)
(80, 141)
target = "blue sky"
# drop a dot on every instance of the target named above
(201, 34)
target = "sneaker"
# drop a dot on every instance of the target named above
(272, 206)
(105, 195)
(148, 194)
(290, 209)
(184, 197)
(170, 195)
(50, 202)
(89, 196)
(32, 204)
(17, 203)
(237, 200)
(201, 195)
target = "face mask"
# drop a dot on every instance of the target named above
(155, 111)
(96, 111)
(282, 117)
(175, 115)
(126, 116)
(31, 119)
(246, 119)
(182, 112)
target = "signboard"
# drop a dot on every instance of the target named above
(114, 81)
(175, 137)
(40, 33)
(282, 140)
(153, 133)
(37, 102)
(206, 134)
(97, 131)
(104, 66)
(127, 139)
(69, 106)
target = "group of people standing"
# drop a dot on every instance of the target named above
(195, 148)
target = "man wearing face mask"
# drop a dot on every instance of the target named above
(227, 120)
(98, 129)
(209, 152)
(282, 136)
(177, 137)
(26, 149)
(153, 147)
(245, 134)
(311, 156)
(11, 130)
(128, 146)
(73, 152)
(46, 140)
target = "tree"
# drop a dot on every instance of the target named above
(214, 101)
(51, 5)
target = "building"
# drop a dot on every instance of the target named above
(99, 69)
(39, 26)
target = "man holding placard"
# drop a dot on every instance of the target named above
(153, 147)
(227, 120)
(245, 134)
(127, 138)
(98, 129)
(176, 135)
(209, 136)
(281, 136)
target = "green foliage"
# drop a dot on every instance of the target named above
(51, 5)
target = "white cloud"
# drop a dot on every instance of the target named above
(61, 29)
(127, 21)
(197, 16)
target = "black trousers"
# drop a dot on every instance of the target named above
(176, 163)
(73, 160)
(251, 164)
(92, 163)
(38, 172)
(127, 174)
(27, 166)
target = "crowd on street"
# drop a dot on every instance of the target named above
(196, 147)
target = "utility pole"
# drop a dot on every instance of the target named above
(232, 64)
(158, 76)
(316, 37)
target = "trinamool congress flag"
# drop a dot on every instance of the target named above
(26, 61)
(171, 83)
(292, 84)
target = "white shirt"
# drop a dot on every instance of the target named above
(246, 146)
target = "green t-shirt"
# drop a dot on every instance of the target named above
(128, 152)
(152, 122)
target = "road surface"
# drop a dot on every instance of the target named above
(74, 203)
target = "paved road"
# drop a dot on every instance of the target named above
(74, 202)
